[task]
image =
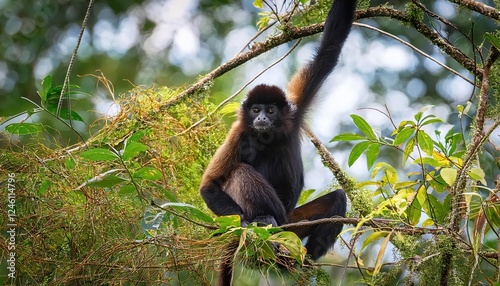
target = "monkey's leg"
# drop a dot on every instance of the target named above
(259, 202)
(323, 236)
(255, 195)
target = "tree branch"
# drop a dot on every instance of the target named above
(344, 181)
(292, 33)
(479, 7)
(379, 224)
(431, 35)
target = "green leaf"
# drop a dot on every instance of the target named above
(44, 187)
(427, 161)
(403, 135)
(373, 237)
(304, 196)
(189, 209)
(409, 149)
(422, 195)
(127, 189)
(64, 113)
(148, 173)
(428, 222)
(493, 39)
(430, 121)
(425, 142)
(46, 86)
(228, 221)
(419, 114)
(69, 163)
(24, 128)
(106, 182)
(356, 151)
(406, 184)
(133, 149)
(292, 243)
(136, 136)
(452, 140)
(348, 137)
(436, 209)
(449, 175)
(414, 212)
(364, 127)
(99, 154)
(372, 154)
(258, 4)
(478, 175)
(265, 16)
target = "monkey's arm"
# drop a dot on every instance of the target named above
(304, 86)
(217, 173)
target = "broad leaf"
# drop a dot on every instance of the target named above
(419, 114)
(373, 237)
(46, 86)
(24, 128)
(348, 137)
(133, 149)
(190, 209)
(64, 113)
(99, 154)
(409, 149)
(127, 189)
(449, 175)
(432, 120)
(425, 142)
(148, 173)
(356, 151)
(403, 135)
(364, 127)
(477, 174)
(414, 212)
(105, 182)
(372, 154)
(292, 243)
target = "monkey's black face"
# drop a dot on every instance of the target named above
(264, 117)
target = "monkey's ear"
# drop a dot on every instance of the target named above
(266, 94)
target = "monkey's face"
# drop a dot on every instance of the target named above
(264, 117)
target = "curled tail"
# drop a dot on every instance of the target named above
(305, 84)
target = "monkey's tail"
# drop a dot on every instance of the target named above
(337, 27)
(226, 267)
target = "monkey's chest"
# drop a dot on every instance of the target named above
(284, 171)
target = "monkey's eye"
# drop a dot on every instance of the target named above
(270, 110)
(256, 110)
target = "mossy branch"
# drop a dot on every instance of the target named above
(479, 7)
(293, 33)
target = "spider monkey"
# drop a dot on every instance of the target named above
(257, 173)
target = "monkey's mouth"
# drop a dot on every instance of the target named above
(262, 126)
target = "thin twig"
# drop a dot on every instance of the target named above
(415, 49)
(65, 86)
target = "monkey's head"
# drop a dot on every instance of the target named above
(266, 109)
